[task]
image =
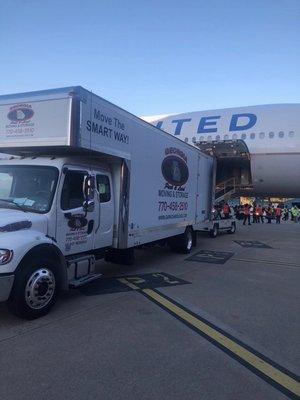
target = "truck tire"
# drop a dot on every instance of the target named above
(232, 229)
(214, 232)
(182, 243)
(35, 288)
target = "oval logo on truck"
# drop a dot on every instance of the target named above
(175, 170)
(77, 221)
(20, 113)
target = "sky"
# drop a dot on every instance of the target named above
(158, 56)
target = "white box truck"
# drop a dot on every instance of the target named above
(88, 180)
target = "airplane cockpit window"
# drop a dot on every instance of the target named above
(271, 135)
(281, 134)
(291, 133)
(234, 136)
(261, 135)
(244, 136)
(252, 135)
(226, 137)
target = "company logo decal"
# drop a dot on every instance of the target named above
(174, 167)
(20, 113)
(77, 221)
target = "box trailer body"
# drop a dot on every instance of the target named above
(87, 178)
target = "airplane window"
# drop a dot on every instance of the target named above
(244, 136)
(291, 133)
(226, 137)
(261, 135)
(234, 136)
(271, 135)
(252, 135)
(201, 138)
(218, 137)
(281, 134)
(186, 140)
(194, 139)
(209, 138)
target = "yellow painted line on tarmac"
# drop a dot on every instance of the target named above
(284, 381)
(252, 260)
(129, 284)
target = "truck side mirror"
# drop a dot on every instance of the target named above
(89, 185)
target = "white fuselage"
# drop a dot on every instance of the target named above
(271, 132)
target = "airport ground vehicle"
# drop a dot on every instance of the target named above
(219, 224)
(88, 180)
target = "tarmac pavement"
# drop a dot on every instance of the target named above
(220, 323)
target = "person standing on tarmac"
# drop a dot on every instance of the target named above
(226, 210)
(259, 214)
(269, 212)
(295, 213)
(254, 215)
(285, 214)
(278, 212)
(247, 214)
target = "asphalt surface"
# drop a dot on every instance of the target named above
(224, 325)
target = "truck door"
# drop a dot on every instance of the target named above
(75, 226)
(104, 225)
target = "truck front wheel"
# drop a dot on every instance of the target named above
(35, 289)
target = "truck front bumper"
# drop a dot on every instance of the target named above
(6, 283)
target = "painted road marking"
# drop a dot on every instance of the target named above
(252, 243)
(252, 260)
(271, 372)
(210, 256)
(142, 281)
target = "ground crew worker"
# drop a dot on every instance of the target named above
(247, 214)
(269, 213)
(285, 214)
(254, 215)
(260, 214)
(226, 210)
(278, 212)
(295, 213)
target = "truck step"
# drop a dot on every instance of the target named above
(75, 283)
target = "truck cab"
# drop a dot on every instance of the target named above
(53, 211)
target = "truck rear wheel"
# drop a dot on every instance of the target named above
(232, 229)
(35, 289)
(183, 243)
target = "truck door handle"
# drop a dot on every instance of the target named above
(90, 226)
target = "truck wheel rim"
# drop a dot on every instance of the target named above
(40, 288)
(189, 242)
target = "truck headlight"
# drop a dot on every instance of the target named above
(5, 256)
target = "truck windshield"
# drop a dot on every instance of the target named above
(28, 187)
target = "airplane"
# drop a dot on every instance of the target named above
(258, 146)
